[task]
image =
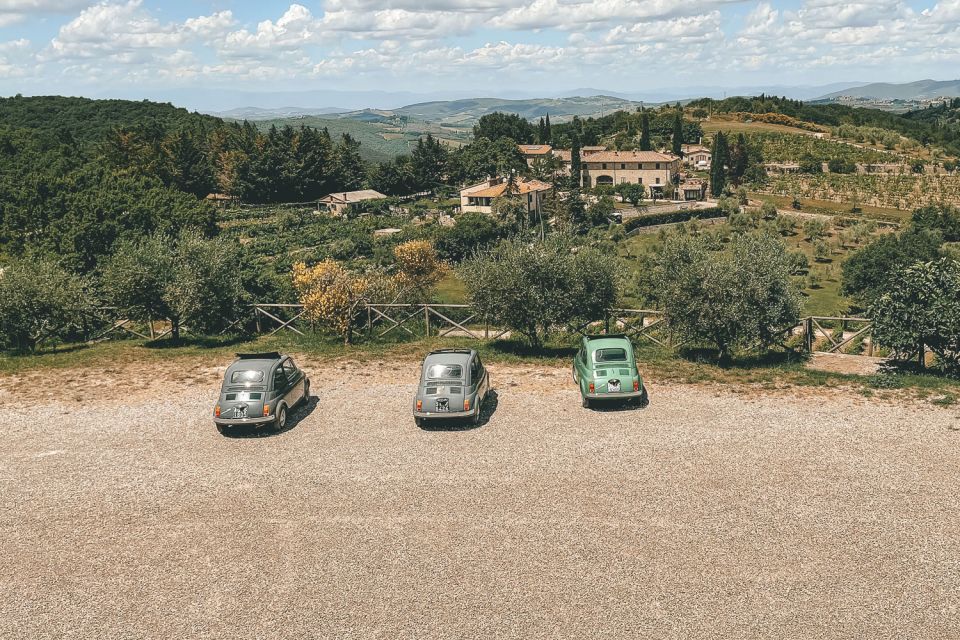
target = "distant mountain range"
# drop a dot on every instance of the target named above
(919, 90)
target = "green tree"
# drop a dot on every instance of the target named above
(632, 193)
(719, 157)
(922, 310)
(40, 301)
(429, 163)
(472, 232)
(188, 279)
(575, 167)
(533, 288)
(645, 131)
(868, 272)
(494, 126)
(735, 298)
(677, 137)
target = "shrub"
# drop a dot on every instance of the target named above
(736, 298)
(841, 165)
(814, 229)
(673, 217)
(821, 251)
(472, 231)
(533, 288)
(39, 301)
(768, 211)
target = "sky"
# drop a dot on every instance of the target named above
(128, 48)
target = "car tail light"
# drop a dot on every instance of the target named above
(266, 409)
(466, 404)
(216, 412)
(636, 385)
(593, 389)
(419, 405)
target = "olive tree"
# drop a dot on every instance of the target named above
(40, 301)
(738, 297)
(922, 310)
(535, 287)
(186, 279)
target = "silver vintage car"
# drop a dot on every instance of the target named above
(260, 389)
(453, 384)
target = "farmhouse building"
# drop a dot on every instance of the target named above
(339, 203)
(696, 156)
(533, 152)
(479, 198)
(652, 169)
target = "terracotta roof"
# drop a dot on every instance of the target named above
(534, 149)
(520, 187)
(630, 156)
(563, 154)
(593, 148)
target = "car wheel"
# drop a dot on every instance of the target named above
(644, 399)
(281, 422)
(222, 430)
(306, 393)
(585, 402)
(475, 418)
(418, 422)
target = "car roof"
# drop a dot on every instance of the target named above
(256, 361)
(450, 356)
(607, 342)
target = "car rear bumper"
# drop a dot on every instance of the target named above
(443, 415)
(234, 422)
(623, 395)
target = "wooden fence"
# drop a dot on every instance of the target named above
(818, 334)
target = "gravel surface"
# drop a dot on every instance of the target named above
(709, 514)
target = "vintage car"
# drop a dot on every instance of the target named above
(453, 384)
(605, 369)
(260, 389)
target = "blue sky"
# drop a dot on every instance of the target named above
(471, 46)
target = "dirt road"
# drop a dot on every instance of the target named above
(707, 514)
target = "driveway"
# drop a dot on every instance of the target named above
(712, 513)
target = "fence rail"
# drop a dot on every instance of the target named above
(814, 334)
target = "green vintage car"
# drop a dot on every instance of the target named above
(605, 369)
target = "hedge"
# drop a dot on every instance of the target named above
(673, 217)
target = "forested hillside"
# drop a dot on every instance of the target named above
(77, 175)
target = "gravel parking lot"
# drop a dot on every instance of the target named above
(710, 514)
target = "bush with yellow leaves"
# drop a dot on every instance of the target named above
(332, 295)
(418, 266)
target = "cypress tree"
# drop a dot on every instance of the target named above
(547, 129)
(677, 134)
(541, 132)
(644, 132)
(718, 161)
(575, 162)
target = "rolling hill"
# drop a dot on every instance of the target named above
(919, 90)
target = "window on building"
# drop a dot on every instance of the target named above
(623, 166)
(604, 165)
(658, 180)
(658, 165)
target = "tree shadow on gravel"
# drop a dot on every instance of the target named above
(294, 418)
(486, 413)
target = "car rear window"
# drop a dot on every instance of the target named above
(444, 372)
(241, 377)
(611, 355)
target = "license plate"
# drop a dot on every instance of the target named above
(613, 386)
(240, 413)
(443, 404)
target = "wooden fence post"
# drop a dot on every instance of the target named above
(369, 322)
(256, 316)
(426, 319)
(808, 334)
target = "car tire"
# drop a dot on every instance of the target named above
(418, 422)
(585, 402)
(305, 400)
(475, 418)
(222, 430)
(644, 399)
(280, 423)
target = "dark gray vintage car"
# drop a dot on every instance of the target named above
(260, 389)
(453, 384)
